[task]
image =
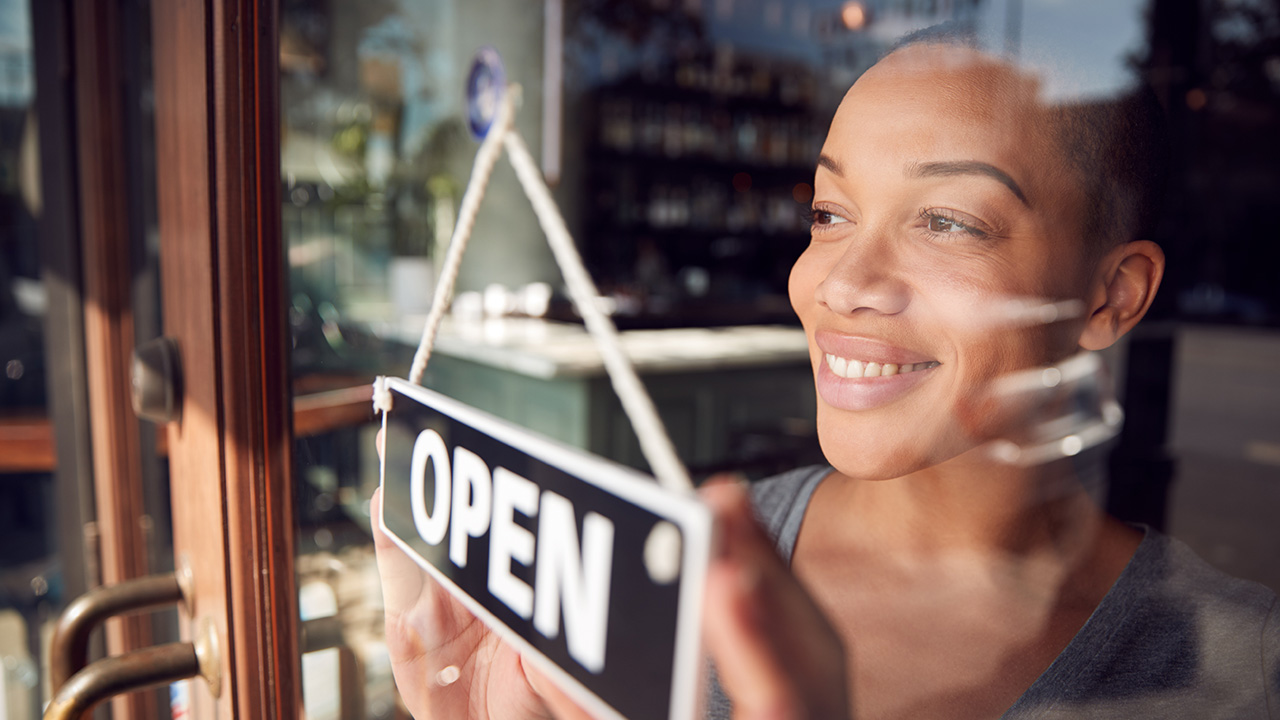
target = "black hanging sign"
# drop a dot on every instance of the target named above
(590, 565)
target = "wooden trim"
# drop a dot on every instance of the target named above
(321, 412)
(223, 277)
(108, 319)
(187, 280)
(255, 354)
(27, 444)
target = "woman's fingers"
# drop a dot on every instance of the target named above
(402, 579)
(775, 653)
(557, 702)
(446, 662)
(746, 662)
(402, 591)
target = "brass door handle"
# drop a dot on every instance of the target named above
(78, 685)
(70, 650)
(110, 676)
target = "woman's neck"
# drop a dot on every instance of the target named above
(970, 575)
(968, 508)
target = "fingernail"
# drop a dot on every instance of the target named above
(448, 676)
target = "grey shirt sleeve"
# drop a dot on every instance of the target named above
(1174, 638)
(1270, 649)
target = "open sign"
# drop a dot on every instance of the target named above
(591, 569)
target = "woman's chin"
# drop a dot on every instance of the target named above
(864, 454)
(862, 460)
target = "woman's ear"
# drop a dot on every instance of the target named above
(1122, 291)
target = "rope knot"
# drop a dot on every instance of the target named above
(381, 395)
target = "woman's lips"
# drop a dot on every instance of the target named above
(861, 374)
(867, 350)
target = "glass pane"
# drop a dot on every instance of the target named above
(681, 139)
(48, 538)
(21, 303)
(28, 538)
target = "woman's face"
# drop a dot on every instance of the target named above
(939, 197)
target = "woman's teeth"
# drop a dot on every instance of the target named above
(859, 369)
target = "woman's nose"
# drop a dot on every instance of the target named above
(867, 276)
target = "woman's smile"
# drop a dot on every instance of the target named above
(869, 391)
(861, 373)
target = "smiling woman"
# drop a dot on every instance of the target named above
(963, 585)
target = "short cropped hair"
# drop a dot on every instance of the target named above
(1118, 146)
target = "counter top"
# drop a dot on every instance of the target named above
(546, 349)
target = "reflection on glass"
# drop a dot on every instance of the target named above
(690, 131)
(27, 553)
(47, 538)
(373, 158)
(22, 385)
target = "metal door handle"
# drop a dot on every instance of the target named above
(110, 676)
(78, 686)
(70, 650)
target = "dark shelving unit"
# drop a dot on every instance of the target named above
(698, 183)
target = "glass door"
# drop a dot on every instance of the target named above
(374, 156)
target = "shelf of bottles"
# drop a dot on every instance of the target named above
(704, 169)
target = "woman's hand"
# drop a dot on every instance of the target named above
(776, 655)
(447, 663)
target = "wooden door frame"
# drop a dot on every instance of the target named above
(102, 155)
(223, 276)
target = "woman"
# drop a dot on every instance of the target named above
(924, 575)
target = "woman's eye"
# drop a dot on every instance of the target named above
(826, 217)
(945, 225)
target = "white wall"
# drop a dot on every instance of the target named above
(507, 246)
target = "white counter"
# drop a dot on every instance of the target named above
(542, 349)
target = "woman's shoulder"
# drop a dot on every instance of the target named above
(1175, 637)
(780, 503)
(1225, 615)
(1171, 573)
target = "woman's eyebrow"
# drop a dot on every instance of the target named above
(831, 164)
(965, 167)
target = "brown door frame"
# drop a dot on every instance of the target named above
(223, 281)
(115, 439)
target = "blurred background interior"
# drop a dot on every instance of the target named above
(679, 137)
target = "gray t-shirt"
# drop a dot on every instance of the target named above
(1173, 638)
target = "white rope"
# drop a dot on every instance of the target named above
(654, 442)
(481, 170)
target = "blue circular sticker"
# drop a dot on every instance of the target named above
(485, 85)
